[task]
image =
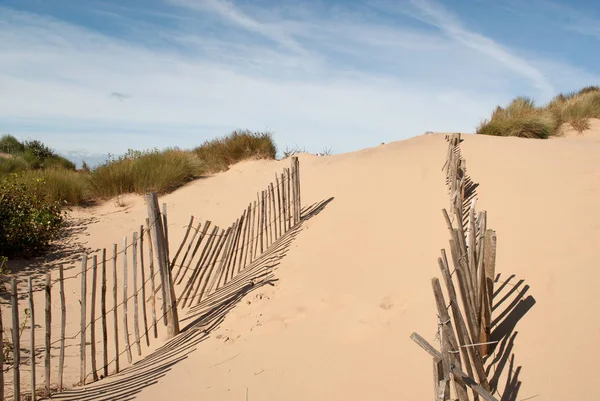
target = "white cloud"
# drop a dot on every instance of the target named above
(346, 80)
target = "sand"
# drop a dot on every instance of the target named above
(355, 281)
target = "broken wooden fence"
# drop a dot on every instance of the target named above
(464, 331)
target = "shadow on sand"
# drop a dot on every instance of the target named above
(196, 326)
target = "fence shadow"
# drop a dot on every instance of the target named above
(511, 299)
(197, 326)
(66, 250)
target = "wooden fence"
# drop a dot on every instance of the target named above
(141, 285)
(464, 331)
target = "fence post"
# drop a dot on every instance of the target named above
(159, 244)
(15, 339)
(32, 310)
(83, 319)
(48, 314)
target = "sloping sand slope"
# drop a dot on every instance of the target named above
(356, 280)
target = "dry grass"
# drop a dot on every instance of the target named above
(522, 119)
(218, 154)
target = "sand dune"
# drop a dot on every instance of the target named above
(355, 279)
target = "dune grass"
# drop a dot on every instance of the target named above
(160, 171)
(141, 172)
(521, 118)
(218, 154)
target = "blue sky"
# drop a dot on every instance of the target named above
(99, 76)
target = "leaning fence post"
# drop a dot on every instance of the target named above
(160, 244)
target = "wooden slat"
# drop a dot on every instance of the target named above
(93, 318)
(136, 321)
(183, 242)
(204, 264)
(187, 252)
(263, 218)
(115, 303)
(32, 337)
(15, 341)
(165, 228)
(279, 212)
(125, 326)
(103, 312)
(461, 327)
(450, 355)
(152, 280)
(274, 211)
(183, 298)
(63, 327)
(489, 264)
(253, 233)
(284, 205)
(210, 267)
(48, 314)
(83, 320)
(289, 196)
(143, 277)
(245, 241)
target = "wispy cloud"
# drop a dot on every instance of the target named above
(347, 77)
(436, 14)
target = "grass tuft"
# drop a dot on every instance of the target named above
(218, 154)
(522, 118)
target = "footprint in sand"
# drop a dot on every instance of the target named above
(386, 303)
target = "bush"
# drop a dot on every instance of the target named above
(10, 144)
(142, 172)
(12, 165)
(28, 220)
(218, 154)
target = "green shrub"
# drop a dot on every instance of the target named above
(28, 220)
(218, 154)
(142, 172)
(10, 144)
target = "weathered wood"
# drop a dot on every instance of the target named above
(234, 248)
(273, 220)
(263, 219)
(450, 349)
(489, 263)
(160, 239)
(441, 386)
(152, 282)
(48, 314)
(143, 277)
(103, 312)
(471, 248)
(15, 341)
(253, 233)
(279, 211)
(237, 245)
(183, 298)
(284, 205)
(464, 292)
(294, 192)
(136, 321)
(166, 234)
(464, 378)
(183, 242)
(298, 192)
(125, 325)
(245, 241)
(211, 266)
(421, 342)
(115, 303)
(289, 196)
(93, 318)
(461, 327)
(83, 319)
(229, 234)
(201, 268)
(32, 337)
(189, 261)
(63, 327)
